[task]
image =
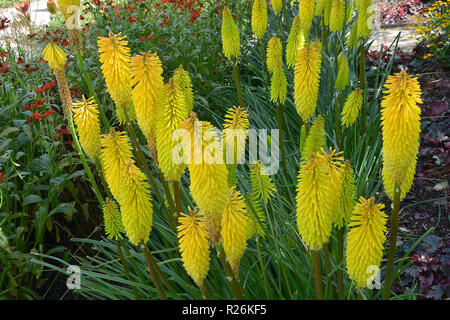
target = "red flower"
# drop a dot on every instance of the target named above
(4, 68)
(39, 90)
(49, 85)
(20, 61)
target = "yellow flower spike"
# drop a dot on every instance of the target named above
(389, 183)
(327, 13)
(65, 7)
(259, 18)
(349, 11)
(320, 7)
(234, 134)
(183, 81)
(234, 229)
(365, 240)
(113, 220)
(306, 13)
(194, 245)
(306, 79)
(400, 121)
(351, 108)
(342, 79)
(315, 141)
(55, 56)
(347, 196)
(274, 54)
(333, 162)
(296, 41)
(352, 41)
(230, 35)
(115, 153)
(135, 203)
(277, 5)
(147, 82)
(88, 126)
(314, 208)
(255, 217)
(278, 86)
(261, 182)
(209, 179)
(171, 111)
(365, 18)
(116, 67)
(337, 15)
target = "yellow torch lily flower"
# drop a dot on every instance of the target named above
(88, 126)
(277, 5)
(234, 229)
(296, 41)
(400, 120)
(307, 78)
(171, 112)
(194, 245)
(347, 197)
(342, 79)
(315, 141)
(337, 15)
(351, 107)
(115, 153)
(183, 81)
(116, 67)
(259, 18)
(135, 203)
(147, 82)
(314, 208)
(55, 56)
(306, 13)
(365, 240)
(230, 35)
(113, 220)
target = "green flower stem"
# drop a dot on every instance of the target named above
(236, 285)
(317, 274)
(392, 244)
(286, 17)
(263, 270)
(280, 26)
(125, 269)
(340, 259)
(168, 195)
(263, 55)
(236, 81)
(326, 253)
(281, 139)
(176, 193)
(151, 269)
(91, 90)
(362, 83)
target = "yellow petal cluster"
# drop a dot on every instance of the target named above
(113, 220)
(234, 134)
(234, 229)
(351, 107)
(147, 81)
(321, 6)
(337, 15)
(365, 240)
(55, 56)
(400, 120)
(306, 13)
(259, 18)
(314, 208)
(274, 54)
(296, 41)
(347, 197)
(352, 41)
(277, 5)
(183, 81)
(115, 153)
(171, 111)
(365, 18)
(307, 78)
(135, 203)
(230, 35)
(116, 67)
(315, 141)
(194, 246)
(342, 79)
(88, 126)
